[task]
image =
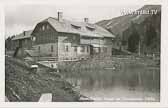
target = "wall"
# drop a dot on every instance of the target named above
(45, 49)
(45, 38)
(101, 43)
(91, 40)
(44, 33)
(26, 43)
(15, 44)
(67, 43)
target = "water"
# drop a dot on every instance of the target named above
(130, 83)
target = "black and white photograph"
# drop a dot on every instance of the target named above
(82, 53)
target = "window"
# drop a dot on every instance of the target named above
(99, 50)
(105, 49)
(75, 49)
(90, 27)
(43, 27)
(74, 37)
(82, 49)
(76, 26)
(47, 27)
(39, 49)
(87, 49)
(52, 49)
(40, 28)
(66, 48)
(26, 42)
(33, 38)
(96, 49)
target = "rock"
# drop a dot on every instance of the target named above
(46, 97)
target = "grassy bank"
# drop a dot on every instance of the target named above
(23, 85)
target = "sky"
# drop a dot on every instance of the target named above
(25, 17)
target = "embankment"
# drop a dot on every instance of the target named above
(21, 85)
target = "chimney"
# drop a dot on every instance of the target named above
(86, 20)
(60, 16)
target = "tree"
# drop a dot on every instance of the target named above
(8, 43)
(150, 35)
(133, 39)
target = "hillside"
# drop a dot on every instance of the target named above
(22, 85)
(124, 26)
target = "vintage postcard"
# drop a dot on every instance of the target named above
(82, 53)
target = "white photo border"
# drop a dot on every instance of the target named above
(164, 55)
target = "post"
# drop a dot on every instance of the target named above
(56, 49)
(139, 78)
(99, 49)
(139, 47)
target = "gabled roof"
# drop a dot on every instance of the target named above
(22, 36)
(81, 28)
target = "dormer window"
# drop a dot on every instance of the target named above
(75, 26)
(91, 28)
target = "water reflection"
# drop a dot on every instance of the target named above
(131, 81)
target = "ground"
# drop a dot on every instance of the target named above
(21, 84)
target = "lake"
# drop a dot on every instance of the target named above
(131, 82)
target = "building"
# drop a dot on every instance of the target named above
(22, 44)
(69, 40)
(23, 40)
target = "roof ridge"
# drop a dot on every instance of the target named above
(66, 26)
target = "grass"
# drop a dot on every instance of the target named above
(21, 85)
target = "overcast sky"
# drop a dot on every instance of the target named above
(24, 17)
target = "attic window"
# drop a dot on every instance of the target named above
(47, 27)
(76, 26)
(90, 28)
(43, 27)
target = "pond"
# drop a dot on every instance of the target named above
(130, 83)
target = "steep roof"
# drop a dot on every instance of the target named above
(22, 36)
(81, 28)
